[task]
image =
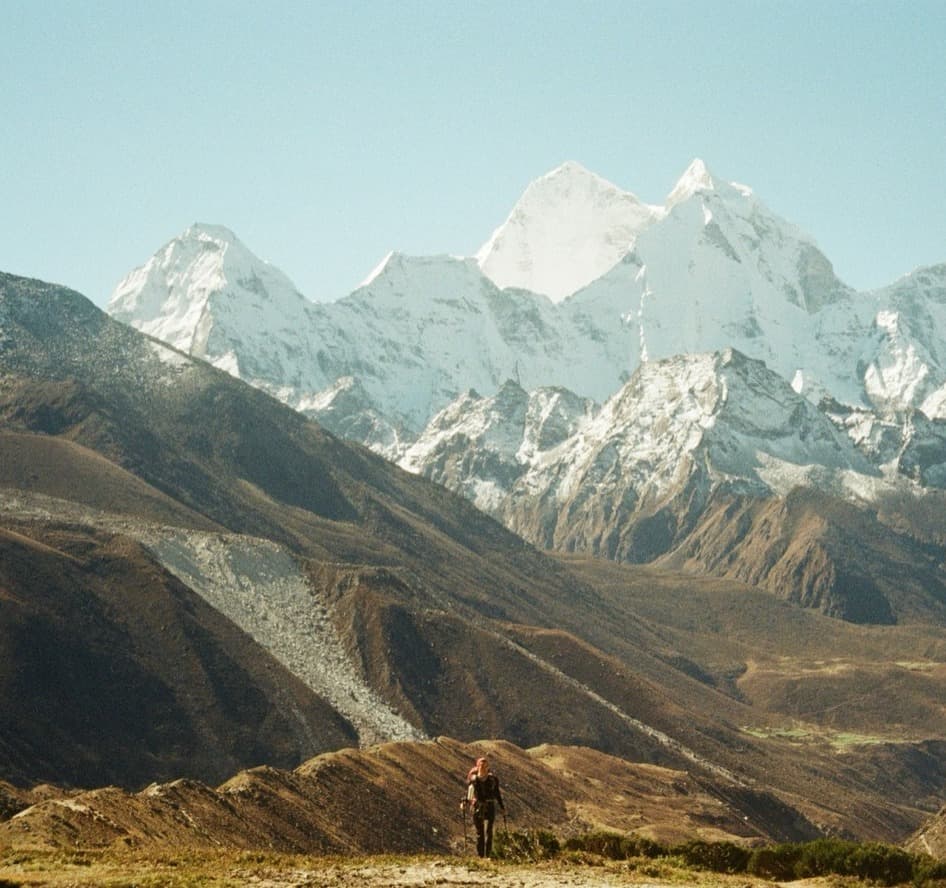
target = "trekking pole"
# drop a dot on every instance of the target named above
(463, 809)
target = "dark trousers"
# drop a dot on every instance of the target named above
(483, 817)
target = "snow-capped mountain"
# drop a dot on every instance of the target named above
(207, 294)
(904, 357)
(711, 269)
(487, 373)
(481, 447)
(416, 334)
(678, 430)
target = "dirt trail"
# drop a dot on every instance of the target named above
(422, 874)
(419, 872)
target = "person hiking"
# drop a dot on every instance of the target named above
(485, 795)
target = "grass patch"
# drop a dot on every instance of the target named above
(872, 862)
(695, 862)
(839, 740)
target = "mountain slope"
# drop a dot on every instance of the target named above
(691, 422)
(695, 462)
(819, 552)
(115, 672)
(390, 600)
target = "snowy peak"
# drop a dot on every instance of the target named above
(482, 446)
(565, 474)
(377, 270)
(724, 414)
(170, 295)
(419, 277)
(698, 179)
(204, 231)
(568, 228)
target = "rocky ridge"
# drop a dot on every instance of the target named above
(339, 803)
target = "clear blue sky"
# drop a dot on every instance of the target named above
(325, 134)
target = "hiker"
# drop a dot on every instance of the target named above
(483, 792)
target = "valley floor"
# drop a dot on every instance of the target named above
(189, 870)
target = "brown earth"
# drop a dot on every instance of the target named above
(814, 550)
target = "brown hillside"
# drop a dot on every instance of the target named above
(398, 797)
(57, 467)
(819, 552)
(115, 672)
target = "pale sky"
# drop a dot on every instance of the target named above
(326, 134)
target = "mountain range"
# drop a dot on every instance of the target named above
(602, 370)
(195, 579)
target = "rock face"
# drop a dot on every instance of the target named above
(680, 427)
(697, 463)
(118, 673)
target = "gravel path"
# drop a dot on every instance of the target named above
(433, 873)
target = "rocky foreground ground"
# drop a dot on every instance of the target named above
(272, 871)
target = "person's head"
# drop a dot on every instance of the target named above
(482, 766)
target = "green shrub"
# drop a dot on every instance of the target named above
(615, 846)
(885, 864)
(638, 846)
(525, 847)
(928, 870)
(718, 857)
(823, 856)
(871, 861)
(610, 845)
(774, 862)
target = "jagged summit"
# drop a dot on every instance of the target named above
(211, 232)
(180, 293)
(569, 227)
(580, 284)
(567, 176)
(378, 269)
(698, 178)
(720, 418)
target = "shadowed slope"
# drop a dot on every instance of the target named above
(115, 672)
